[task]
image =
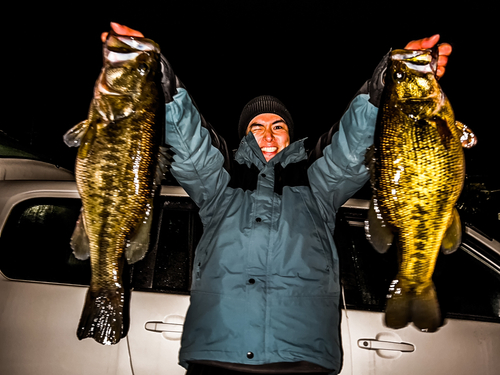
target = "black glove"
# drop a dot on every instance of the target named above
(169, 80)
(376, 83)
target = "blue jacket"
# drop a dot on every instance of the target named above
(266, 272)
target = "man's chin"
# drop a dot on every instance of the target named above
(269, 155)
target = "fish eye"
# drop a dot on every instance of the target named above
(398, 76)
(143, 68)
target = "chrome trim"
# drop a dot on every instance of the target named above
(362, 204)
(480, 257)
(492, 244)
(173, 191)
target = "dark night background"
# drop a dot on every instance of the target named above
(313, 55)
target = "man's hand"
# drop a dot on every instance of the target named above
(444, 51)
(122, 30)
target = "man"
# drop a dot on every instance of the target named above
(265, 293)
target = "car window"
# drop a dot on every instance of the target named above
(168, 264)
(467, 287)
(34, 244)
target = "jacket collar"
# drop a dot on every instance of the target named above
(249, 153)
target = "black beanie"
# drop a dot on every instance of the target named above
(264, 104)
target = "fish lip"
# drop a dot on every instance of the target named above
(120, 48)
(135, 43)
(403, 54)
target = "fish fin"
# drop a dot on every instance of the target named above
(138, 245)
(468, 137)
(453, 235)
(425, 311)
(74, 136)
(80, 241)
(105, 316)
(398, 307)
(376, 230)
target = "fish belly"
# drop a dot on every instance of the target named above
(421, 179)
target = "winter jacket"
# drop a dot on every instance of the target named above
(266, 272)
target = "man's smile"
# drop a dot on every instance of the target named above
(269, 149)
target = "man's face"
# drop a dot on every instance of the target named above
(271, 133)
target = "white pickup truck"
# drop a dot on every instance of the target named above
(42, 290)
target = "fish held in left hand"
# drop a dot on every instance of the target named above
(417, 171)
(119, 165)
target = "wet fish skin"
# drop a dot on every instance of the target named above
(116, 174)
(417, 175)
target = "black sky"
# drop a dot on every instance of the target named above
(313, 55)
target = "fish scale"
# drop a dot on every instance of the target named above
(426, 189)
(417, 175)
(117, 170)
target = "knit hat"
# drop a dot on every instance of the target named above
(264, 104)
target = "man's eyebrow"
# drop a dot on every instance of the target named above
(259, 124)
(255, 124)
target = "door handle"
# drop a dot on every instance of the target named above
(374, 344)
(161, 327)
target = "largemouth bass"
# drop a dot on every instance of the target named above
(118, 167)
(417, 168)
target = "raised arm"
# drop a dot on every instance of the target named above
(337, 170)
(201, 155)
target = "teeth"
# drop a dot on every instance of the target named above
(269, 149)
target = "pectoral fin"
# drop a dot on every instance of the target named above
(468, 137)
(74, 136)
(453, 235)
(376, 230)
(80, 241)
(139, 243)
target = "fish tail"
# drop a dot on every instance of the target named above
(406, 304)
(398, 308)
(104, 316)
(426, 314)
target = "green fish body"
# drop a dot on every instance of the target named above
(117, 173)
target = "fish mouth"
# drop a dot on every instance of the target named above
(124, 44)
(422, 61)
(121, 48)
